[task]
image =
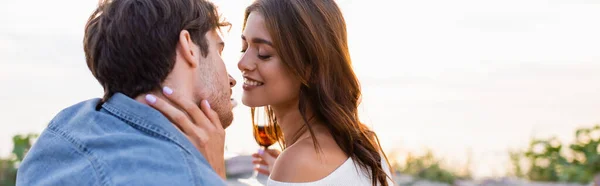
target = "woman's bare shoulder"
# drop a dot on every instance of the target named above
(301, 162)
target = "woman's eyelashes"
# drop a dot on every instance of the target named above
(262, 57)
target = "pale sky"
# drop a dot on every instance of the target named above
(484, 75)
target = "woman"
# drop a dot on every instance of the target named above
(296, 63)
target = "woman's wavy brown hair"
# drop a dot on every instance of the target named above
(311, 40)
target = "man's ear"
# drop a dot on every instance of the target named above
(185, 48)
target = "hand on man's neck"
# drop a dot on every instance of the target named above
(142, 97)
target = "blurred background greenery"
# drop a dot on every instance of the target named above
(9, 165)
(545, 160)
(552, 160)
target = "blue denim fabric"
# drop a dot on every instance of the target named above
(123, 143)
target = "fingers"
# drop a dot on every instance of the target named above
(268, 158)
(211, 114)
(273, 152)
(265, 159)
(259, 162)
(189, 107)
(263, 171)
(200, 124)
(199, 135)
(176, 116)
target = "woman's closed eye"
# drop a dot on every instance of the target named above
(264, 57)
(260, 56)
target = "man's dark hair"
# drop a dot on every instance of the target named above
(130, 44)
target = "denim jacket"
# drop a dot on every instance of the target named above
(123, 143)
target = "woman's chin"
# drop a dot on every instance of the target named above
(249, 102)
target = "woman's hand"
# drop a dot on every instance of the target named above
(200, 125)
(267, 158)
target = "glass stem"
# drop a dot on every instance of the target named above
(254, 175)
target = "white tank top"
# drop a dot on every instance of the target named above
(347, 174)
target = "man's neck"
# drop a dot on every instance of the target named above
(158, 94)
(182, 90)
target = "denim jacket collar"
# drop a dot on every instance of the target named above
(148, 119)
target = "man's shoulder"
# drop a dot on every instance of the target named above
(56, 159)
(75, 113)
(100, 133)
(53, 155)
(102, 138)
(97, 148)
(84, 121)
(99, 144)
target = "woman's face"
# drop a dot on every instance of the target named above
(267, 81)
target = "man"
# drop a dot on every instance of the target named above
(134, 48)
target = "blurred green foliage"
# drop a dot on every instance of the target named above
(429, 167)
(550, 160)
(9, 165)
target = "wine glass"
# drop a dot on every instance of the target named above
(265, 135)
